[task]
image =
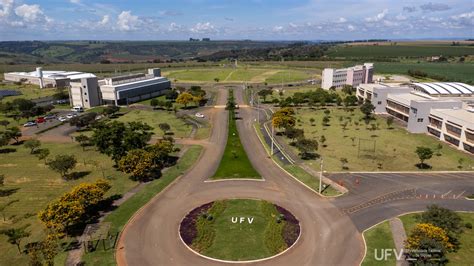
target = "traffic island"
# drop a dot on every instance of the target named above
(239, 230)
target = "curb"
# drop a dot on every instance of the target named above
(234, 179)
(243, 261)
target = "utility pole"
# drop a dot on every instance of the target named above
(321, 177)
(272, 139)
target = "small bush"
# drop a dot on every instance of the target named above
(468, 225)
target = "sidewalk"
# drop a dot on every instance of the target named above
(399, 237)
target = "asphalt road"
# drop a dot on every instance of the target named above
(331, 228)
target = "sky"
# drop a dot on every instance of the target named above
(234, 19)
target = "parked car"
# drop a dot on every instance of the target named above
(69, 116)
(30, 124)
(62, 118)
(77, 109)
(199, 115)
(40, 120)
(49, 117)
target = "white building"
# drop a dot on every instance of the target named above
(352, 76)
(84, 91)
(131, 88)
(442, 109)
(43, 78)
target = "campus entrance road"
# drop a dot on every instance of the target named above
(151, 238)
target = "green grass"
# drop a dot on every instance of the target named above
(234, 162)
(462, 72)
(466, 251)
(378, 237)
(290, 76)
(124, 212)
(243, 241)
(387, 51)
(38, 185)
(395, 148)
(29, 91)
(154, 118)
(298, 172)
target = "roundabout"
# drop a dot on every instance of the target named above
(239, 230)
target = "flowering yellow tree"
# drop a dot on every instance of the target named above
(426, 231)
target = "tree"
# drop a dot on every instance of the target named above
(138, 163)
(307, 148)
(264, 93)
(326, 121)
(32, 144)
(4, 123)
(424, 153)
(444, 218)
(73, 207)
(116, 138)
(322, 139)
(63, 164)
(154, 103)
(15, 235)
(294, 133)
(83, 141)
(350, 100)
(110, 110)
(165, 127)
(13, 133)
(367, 108)
(216, 79)
(172, 94)
(312, 120)
(168, 105)
(42, 154)
(389, 122)
(348, 89)
(197, 100)
(284, 118)
(344, 161)
(184, 99)
(428, 237)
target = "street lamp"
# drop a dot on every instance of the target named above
(321, 176)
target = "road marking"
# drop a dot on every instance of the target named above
(460, 194)
(445, 194)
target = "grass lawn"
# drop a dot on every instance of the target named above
(395, 148)
(234, 162)
(290, 75)
(154, 118)
(378, 237)
(248, 240)
(29, 91)
(298, 172)
(124, 212)
(465, 253)
(38, 185)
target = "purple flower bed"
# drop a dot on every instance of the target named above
(291, 230)
(187, 229)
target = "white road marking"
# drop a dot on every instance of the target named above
(460, 194)
(445, 194)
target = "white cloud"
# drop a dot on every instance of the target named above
(401, 17)
(30, 13)
(75, 1)
(105, 20)
(341, 20)
(127, 22)
(377, 17)
(277, 29)
(206, 27)
(351, 27)
(433, 7)
(464, 19)
(6, 7)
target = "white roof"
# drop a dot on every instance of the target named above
(445, 88)
(55, 74)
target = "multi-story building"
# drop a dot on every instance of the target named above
(352, 76)
(440, 109)
(44, 79)
(84, 91)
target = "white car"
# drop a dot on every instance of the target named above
(30, 124)
(69, 116)
(199, 115)
(62, 118)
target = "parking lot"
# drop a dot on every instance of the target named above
(49, 123)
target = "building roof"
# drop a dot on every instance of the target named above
(405, 98)
(459, 116)
(55, 74)
(444, 88)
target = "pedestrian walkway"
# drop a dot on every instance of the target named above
(399, 237)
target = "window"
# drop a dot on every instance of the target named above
(86, 100)
(414, 110)
(379, 102)
(419, 120)
(375, 95)
(85, 93)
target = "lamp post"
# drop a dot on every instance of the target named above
(321, 177)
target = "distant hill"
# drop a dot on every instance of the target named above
(37, 52)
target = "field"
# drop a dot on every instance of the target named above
(461, 72)
(234, 163)
(394, 148)
(121, 215)
(254, 235)
(37, 185)
(412, 50)
(466, 251)
(378, 237)
(241, 74)
(153, 118)
(28, 91)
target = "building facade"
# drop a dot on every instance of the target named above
(449, 118)
(85, 92)
(44, 79)
(352, 76)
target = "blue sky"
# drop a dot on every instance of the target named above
(234, 19)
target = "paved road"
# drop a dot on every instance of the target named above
(152, 236)
(331, 228)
